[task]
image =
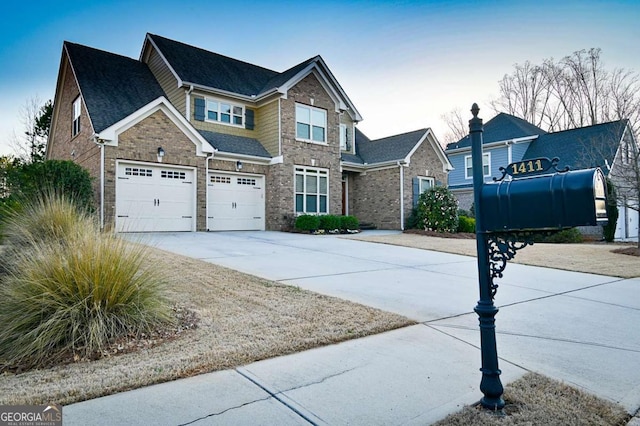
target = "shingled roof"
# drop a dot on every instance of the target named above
(584, 147)
(392, 148)
(235, 144)
(198, 66)
(112, 86)
(500, 128)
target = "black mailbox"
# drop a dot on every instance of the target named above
(547, 202)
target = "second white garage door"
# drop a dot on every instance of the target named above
(236, 202)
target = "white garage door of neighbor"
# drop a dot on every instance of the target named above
(154, 198)
(236, 202)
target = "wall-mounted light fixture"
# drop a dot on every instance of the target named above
(160, 154)
(238, 165)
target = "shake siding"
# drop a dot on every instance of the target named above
(167, 81)
(266, 125)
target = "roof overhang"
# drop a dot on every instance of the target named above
(328, 82)
(512, 141)
(109, 136)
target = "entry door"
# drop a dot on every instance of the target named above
(236, 202)
(154, 198)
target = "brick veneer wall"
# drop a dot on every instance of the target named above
(375, 197)
(280, 180)
(79, 148)
(140, 143)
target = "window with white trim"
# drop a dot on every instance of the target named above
(425, 183)
(224, 112)
(343, 137)
(311, 190)
(486, 166)
(311, 124)
(75, 127)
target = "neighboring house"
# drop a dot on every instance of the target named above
(185, 139)
(508, 139)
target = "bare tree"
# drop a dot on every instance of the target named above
(458, 126)
(575, 91)
(35, 116)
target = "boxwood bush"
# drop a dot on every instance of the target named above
(329, 222)
(466, 224)
(349, 222)
(307, 222)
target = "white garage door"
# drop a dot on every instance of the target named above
(154, 198)
(236, 202)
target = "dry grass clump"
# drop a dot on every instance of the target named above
(538, 400)
(67, 287)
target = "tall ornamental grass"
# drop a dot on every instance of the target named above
(70, 288)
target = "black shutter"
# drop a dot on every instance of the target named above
(248, 119)
(199, 110)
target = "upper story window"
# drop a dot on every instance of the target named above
(486, 166)
(75, 128)
(224, 112)
(311, 124)
(344, 136)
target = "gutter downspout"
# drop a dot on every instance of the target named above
(98, 142)
(401, 166)
(187, 112)
(206, 190)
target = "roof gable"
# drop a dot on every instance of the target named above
(584, 147)
(112, 86)
(502, 127)
(392, 148)
(202, 67)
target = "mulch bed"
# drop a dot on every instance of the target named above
(631, 251)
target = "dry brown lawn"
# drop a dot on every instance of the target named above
(594, 258)
(242, 319)
(538, 400)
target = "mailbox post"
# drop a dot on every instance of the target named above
(491, 386)
(536, 198)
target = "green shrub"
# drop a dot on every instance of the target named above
(329, 222)
(68, 287)
(28, 181)
(438, 210)
(412, 220)
(349, 222)
(566, 236)
(466, 224)
(609, 230)
(308, 222)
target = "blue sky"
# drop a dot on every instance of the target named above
(403, 64)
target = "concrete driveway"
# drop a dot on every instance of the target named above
(578, 328)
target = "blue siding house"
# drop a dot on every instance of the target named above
(508, 139)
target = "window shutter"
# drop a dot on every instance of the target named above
(199, 109)
(248, 119)
(416, 191)
(438, 183)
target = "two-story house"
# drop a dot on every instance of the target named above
(185, 139)
(508, 139)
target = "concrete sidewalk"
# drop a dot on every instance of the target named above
(574, 327)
